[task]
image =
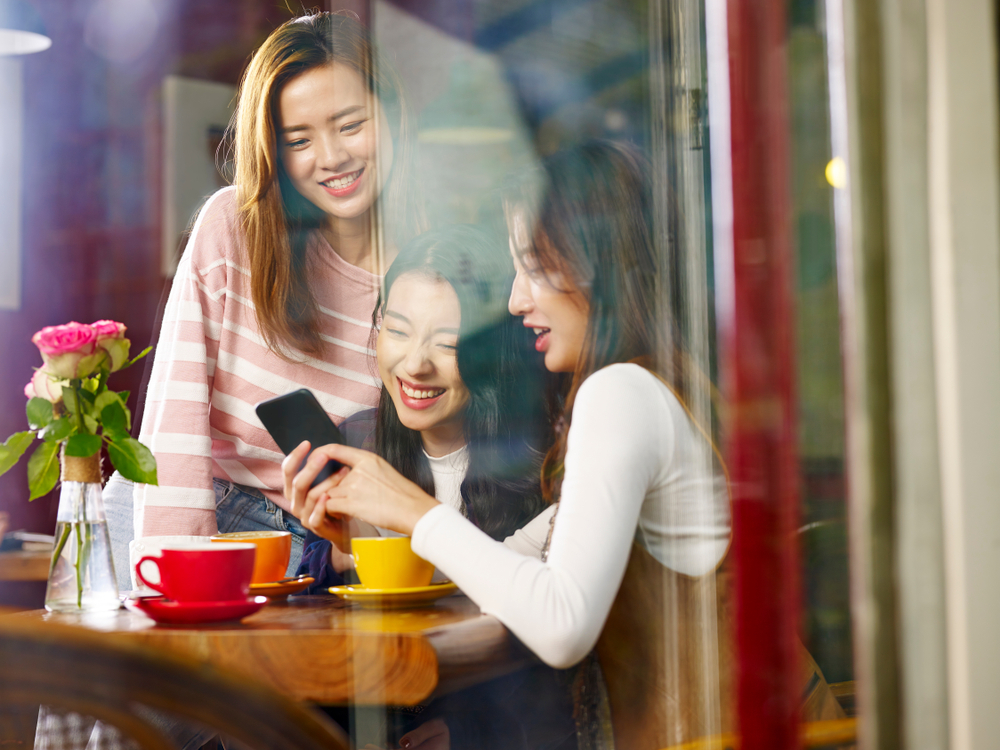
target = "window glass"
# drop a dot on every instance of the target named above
(565, 266)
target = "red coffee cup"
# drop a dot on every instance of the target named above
(202, 572)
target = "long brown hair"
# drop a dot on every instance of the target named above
(278, 222)
(589, 213)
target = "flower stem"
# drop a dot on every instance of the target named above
(79, 409)
(59, 548)
(79, 545)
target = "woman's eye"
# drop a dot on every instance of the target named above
(296, 144)
(448, 347)
(353, 127)
(395, 331)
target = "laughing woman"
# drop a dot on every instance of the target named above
(458, 418)
(276, 286)
(456, 414)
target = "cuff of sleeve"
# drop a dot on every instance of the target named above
(426, 528)
(316, 563)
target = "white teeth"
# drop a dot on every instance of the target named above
(421, 394)
(539, 330)
(343, 182)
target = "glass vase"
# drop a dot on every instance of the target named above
(82, 575)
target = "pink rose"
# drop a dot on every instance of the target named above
(68, 349)
(44, 385)
(111, 339)
(108, 329)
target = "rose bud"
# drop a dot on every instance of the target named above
(44, 385)
(111, 339)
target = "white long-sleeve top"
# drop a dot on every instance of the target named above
(449, 473)
(636, 469)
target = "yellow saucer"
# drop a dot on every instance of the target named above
(420, 596)
(277, 590)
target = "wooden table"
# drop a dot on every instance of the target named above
(320, 649)
(24, 566)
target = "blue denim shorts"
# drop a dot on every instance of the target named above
(239, 508)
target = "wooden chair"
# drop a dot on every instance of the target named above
(74, 670)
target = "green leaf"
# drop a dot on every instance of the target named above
(90, 423)
(83, 445)
(104, 399)
(114, 419)
(58, 430)
(111, 399)
(39, 413)
(133, 459)
(88, 400)
(43, 469)
(13, 449)
(123, 395)
(69, 399)
(136, 358)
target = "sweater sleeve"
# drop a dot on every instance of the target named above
(621, 437)
(175, 422)
(316, 563)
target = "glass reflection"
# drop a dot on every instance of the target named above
(425, 166)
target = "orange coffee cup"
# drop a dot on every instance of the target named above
(274, 549)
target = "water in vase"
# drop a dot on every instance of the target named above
(82, 577)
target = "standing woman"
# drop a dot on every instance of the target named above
(278, 281)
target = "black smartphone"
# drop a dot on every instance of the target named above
(298, 416)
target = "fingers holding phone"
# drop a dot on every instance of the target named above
(308, 501)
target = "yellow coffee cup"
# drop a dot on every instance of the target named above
(389, 563)
(274, 549)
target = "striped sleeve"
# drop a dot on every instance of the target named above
(175, 424)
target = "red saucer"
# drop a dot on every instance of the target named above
(169, 612)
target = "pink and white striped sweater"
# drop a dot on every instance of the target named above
(211, 366)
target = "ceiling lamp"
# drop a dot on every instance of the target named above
(21, 29)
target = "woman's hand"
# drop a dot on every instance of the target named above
(433, 735)
(308, 508)
(367, 488)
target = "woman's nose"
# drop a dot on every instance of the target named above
(520, 302)
(332, 153)
(418, 362)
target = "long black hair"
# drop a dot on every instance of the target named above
(588, 214)
(504, 421)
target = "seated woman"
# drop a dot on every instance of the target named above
(627, 587)
(456, 414)
(459, 418)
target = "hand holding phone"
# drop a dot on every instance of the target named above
(298, 416)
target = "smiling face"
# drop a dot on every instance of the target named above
(416, 349)
(330, 132)
(550, 304)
